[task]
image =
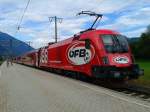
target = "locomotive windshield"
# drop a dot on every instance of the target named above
(115, 43)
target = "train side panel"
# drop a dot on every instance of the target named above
(70, 55)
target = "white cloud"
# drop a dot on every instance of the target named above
(39, 11)
(134, 33)
(138, 18)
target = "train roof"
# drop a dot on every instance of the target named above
(30, 52)
(60, 43)
(63, 42)
(69, 40)
(99, 31)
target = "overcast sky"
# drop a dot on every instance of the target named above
(129, 17)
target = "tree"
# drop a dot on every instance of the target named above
(141, 49)
(148, 29)
(1, 58)
(144, 44)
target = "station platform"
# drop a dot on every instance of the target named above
(25, 89)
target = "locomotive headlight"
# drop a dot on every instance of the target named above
(105, 60)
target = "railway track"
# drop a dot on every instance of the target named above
(136, 91)
(131, 90)
(140, 89)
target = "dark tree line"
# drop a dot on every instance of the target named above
(1, 60)
(141, 48)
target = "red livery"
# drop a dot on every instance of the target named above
(94, 53)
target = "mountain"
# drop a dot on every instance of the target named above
(11, 46)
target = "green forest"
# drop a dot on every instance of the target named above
(141, 48)
(141, 51)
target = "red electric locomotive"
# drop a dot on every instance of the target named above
(103, 54)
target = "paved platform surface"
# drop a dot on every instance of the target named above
(24, 89)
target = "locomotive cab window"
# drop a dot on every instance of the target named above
(87, 44)
(115, 43)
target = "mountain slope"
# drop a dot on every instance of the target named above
(11, 46)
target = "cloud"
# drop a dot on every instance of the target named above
(134, 33)
(133, 20)
(122, 16)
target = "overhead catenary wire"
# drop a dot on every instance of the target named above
(21, 19)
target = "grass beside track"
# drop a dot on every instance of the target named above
(144, 80)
